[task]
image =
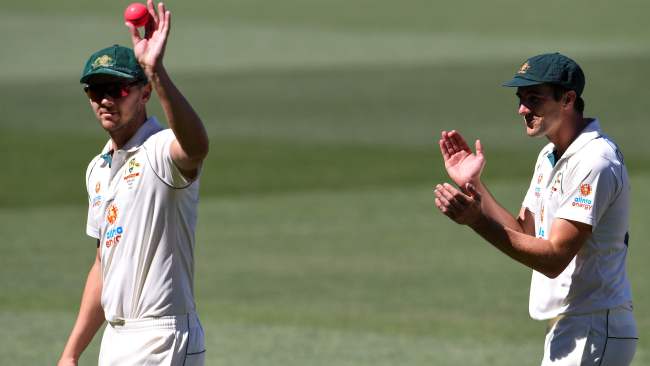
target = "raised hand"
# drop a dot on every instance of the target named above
(462, 165)
(150, 49)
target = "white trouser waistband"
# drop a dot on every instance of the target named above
(159, 322)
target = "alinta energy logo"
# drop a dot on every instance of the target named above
(582, 201)
(114, 234)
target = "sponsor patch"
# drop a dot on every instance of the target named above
(111, 213)
(582, 202)
(97, 200)
(113, 236)
(557, 183)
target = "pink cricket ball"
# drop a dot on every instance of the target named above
(137, 14)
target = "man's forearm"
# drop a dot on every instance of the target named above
(183, 120)
(535, 253)
(90, 318)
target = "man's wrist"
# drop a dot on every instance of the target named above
(478, 222)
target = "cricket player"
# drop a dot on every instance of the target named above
(142, 198)
(572, 229)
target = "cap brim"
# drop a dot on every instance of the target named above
(84, 79)
(519, 81)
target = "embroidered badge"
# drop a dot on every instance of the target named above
(103, 61)
(523, 68)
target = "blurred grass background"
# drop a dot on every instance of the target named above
(318, 243)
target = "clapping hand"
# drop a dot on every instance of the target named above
(462, 165)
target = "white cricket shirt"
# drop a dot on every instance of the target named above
(588, 184)
(143, 211)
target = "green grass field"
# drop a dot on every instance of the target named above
(318, 243)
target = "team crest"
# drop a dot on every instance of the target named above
(523, 68)
(539, 178)
(133, 164)
(98, 186)
(585, 189)
(103, 61)
(111, 214)
(132, 172)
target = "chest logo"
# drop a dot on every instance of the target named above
(557, 183)
(98, 187)
(111, 214)
(539, 178)
(132, 172)
(133, 164)
(585, 189)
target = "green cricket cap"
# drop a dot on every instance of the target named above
(551, 68)
(116, 60)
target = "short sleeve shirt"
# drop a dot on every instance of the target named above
(143, 211)
(588, 184)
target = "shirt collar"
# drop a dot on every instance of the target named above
(590, 132)
(148, 128)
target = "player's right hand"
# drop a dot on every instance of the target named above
(464, 207)
(462, 165)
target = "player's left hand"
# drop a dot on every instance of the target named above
(462, 165)
(149, 50)
(464, 207)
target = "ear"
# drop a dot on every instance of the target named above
(146, 92)
(569, 99)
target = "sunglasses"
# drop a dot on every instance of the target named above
(97, 92)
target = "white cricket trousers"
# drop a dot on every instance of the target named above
(603, 338)
(162, 341)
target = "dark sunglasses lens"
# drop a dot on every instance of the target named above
(98, 91)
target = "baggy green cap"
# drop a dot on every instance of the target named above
(115, 60)
(551, 68)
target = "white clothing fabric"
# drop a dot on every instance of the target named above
(588, 184)
(163, 341)
(603, 338)
(144, 212)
